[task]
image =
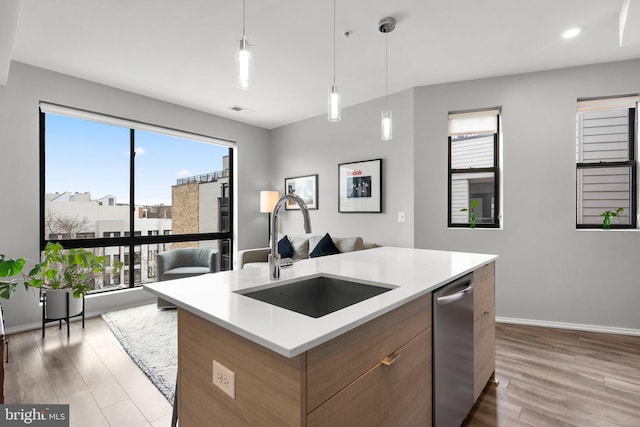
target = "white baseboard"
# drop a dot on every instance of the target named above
(38, 325)
(573, 326)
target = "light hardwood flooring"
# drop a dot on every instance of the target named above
(90, 370)
(548, 377)
(554, 377)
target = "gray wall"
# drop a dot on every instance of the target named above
(19, 173)
(547, 270)
(316, 146)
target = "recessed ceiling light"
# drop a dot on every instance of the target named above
(569, 34)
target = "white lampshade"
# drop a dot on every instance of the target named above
(268, 200)
(387, 125)
(244, 65)
(333, 112)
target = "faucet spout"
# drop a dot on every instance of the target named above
(274, 256)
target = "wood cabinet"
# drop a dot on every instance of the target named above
(395, 395)
(378, 371)
(484, 326)
(348, 383)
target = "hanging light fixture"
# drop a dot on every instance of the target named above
(385, 26)
(333, 111)
(244, 60)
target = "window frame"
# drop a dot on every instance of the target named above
(495, 169)
(631, 163)
(133, 242)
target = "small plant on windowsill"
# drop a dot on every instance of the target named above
(472, 214)
(607, 215)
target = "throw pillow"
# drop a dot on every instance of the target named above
(284, 248)
(349, 244)
(300, 247)
(324, 247)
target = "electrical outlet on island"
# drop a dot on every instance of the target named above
(224, 379)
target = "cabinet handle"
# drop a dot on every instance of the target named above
(390, 359)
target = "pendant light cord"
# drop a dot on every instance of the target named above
(386, 70)
(334, 42)
(243, 13)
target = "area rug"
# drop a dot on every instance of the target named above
(149, 336)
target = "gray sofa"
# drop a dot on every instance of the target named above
(180, 263)
(302, 247)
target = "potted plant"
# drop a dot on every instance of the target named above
(9, 268)
(472, 214)
(65, 275)
(607, 215)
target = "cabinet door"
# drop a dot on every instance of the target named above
(335, 364)
(484, 327)
(394, 395)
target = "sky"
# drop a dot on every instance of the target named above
(83, 156)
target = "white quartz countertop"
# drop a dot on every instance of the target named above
(410, 272)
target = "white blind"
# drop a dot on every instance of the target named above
(607, 103)
(127, 123)
(485, 121)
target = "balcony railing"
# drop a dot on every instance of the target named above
(209, 177)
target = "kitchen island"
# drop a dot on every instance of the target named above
(368, 361)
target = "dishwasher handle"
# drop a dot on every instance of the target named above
(447, 299)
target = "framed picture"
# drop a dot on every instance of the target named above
(306, 187)
(360, 186)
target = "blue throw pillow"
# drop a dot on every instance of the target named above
(284, 248)
(324, 247)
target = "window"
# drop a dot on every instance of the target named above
(606, 162)
(473, 168)
(123, 187)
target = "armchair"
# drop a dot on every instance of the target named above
(180, 263)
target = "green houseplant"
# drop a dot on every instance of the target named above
(607, 215)
(9, 268)
(472, 213)
(66, 271)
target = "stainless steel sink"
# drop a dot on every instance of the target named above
(317, 296)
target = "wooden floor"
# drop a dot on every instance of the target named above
(91, 371)
(548, 377)
(554, 377)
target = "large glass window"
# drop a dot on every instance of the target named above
(473, 169)
(605, 162)
(131, 193)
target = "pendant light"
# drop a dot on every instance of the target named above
(333, 110)
(385, 26)
(244, 60)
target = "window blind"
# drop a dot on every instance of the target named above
(485, 121)
(606, 103)
(62, 110)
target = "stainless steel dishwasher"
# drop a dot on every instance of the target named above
(453, 352)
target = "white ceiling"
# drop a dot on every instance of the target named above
(183, 51)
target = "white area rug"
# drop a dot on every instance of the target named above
(149, 336)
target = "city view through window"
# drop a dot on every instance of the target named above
(131, 194)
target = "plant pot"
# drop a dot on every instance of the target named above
(56, 304)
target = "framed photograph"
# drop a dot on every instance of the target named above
(304, 186)
(360, 186)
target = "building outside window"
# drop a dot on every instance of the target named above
(474, 175)
(606, 135)
(118, 187)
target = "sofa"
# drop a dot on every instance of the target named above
(187, 262)
(302, 247)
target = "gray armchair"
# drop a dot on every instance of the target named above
(180, 263)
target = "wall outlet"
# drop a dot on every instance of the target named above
(224, 379)
(400, 217)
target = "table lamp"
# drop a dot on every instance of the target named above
(268, 200)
